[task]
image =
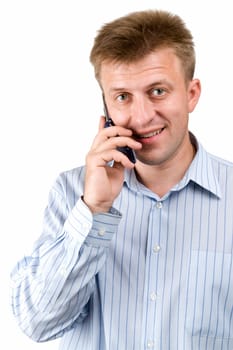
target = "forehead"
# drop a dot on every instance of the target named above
(159, 65)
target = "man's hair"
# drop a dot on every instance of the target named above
(132, 37)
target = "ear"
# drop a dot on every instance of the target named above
(194, 92)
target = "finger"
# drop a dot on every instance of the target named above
(121, 141)
(107, 133)
(102, 159)
(117, 158)
(101, 123)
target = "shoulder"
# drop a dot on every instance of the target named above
(223, 170)
(221, 162)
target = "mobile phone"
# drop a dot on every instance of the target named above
(129, 152)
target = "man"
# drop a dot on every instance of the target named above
(136, 255)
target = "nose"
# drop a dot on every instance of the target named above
(141, 112)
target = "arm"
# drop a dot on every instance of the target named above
(51, 288)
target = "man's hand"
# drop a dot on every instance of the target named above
(103, 182)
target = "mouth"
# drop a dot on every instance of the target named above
(150, 134)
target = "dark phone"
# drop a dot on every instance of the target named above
(129, 152)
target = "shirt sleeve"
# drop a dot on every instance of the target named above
(51, 287)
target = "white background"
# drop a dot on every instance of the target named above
(50, 106)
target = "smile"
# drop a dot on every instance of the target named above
(151, 134)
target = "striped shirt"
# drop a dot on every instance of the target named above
(153, 273)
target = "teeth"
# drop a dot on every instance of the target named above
(151, 134)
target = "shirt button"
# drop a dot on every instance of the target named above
(156, 248)
(101, 232)
(150, 344)
(63, 271)
(159, 205)
(153, 296)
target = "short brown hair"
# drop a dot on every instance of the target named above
(131, 37)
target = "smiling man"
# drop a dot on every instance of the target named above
(153, 98)
(136, 255)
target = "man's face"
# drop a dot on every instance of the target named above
(152, 98)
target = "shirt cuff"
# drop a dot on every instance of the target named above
(96, 230)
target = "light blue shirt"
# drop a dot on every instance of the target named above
(154, 273)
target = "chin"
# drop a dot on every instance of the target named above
(149, 160)
(149, 157)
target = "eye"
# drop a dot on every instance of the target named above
(122, 97)
(157, 92)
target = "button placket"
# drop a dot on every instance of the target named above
(153, 258)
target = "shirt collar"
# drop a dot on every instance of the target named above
(200, 171)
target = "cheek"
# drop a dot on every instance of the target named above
(181, 109)
(178, 117)
(119, 120)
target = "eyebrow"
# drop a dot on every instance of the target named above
(150, 86)
(117, 89)
(159, 83)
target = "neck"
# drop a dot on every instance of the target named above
(161, 178)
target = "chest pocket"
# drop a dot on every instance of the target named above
(209, 317)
